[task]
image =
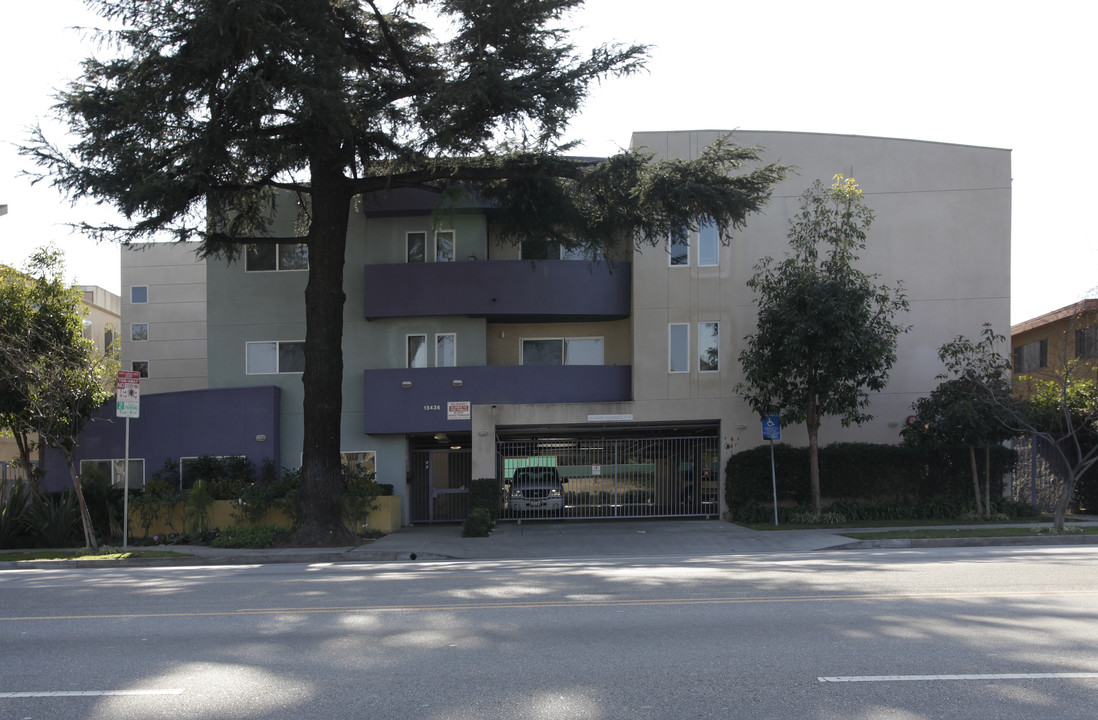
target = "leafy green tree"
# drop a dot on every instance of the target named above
(213, 107)
(1060, 406)
(51, 376)
(968, 407)
(826, 332)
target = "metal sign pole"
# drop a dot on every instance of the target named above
(126, 491)
(774, 482)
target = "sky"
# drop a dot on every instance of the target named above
(1005, 75)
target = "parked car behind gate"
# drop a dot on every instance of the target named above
(536, 488)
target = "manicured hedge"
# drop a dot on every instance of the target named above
(861, 472)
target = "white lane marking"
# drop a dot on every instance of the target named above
(87, 693)
(1002, 676)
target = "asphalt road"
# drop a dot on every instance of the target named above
(967, 633)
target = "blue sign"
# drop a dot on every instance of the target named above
(772, 427)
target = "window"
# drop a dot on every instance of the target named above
(709, 244)
(539, 250)
(1086, 342)
(678, 347)
(417, 351)
(87, 328)
(417, 247)
(141, 367)
(139, 294)
(366, 459)
(277, 256)
(709, 347)
(445, 345)
(269, 358)
(444, 246)
(209, 467)
(114, 470)
(562, 351)
(108, 340)
(679, 247)
(1031, 356)
(139, 332)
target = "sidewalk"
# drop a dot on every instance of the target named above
(569, 540)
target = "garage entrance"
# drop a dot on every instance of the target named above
(671, 474)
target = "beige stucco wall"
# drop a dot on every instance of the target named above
(175, 313)
(942, 228)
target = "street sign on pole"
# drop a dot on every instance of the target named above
(127, 405)
(128, 394)
(772, 427)
(772, 430)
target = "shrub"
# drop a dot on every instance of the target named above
(360, 494)
(486, 493)
(199, 501)
(478, 523)
(249, 536)
(259, 498)
(14, 509)
(55, 519)
(153, 502)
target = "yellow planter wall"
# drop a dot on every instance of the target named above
(386, 518)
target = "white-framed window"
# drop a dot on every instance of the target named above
(445, 350)
(87, 329)
(274, 257)
(709, 244)
(115, 468)
(678, 247)
(141, 367)
(678, 347)
(274, 357)
(444, 246)
(562, 351)
(709, 346)
(556, 250)
(139, 294)
(417, 351)
(139, 332)
(416, 247)
(187, 471)
(366, 458)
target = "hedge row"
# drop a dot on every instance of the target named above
(861, 471)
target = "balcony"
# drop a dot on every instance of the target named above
(436, 399)
(500, 290)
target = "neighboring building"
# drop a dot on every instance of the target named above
(164, 311)
(1042, 346)
(101, 323)
(102, 318)
(466, 357)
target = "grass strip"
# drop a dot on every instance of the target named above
(85, 555)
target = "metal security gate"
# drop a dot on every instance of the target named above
(585, 478)
(1038, 474)
(440, 485)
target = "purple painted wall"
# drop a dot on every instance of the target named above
(500, 289)
(181, 424)
(391, 408)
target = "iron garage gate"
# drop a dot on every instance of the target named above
(576, 477)
(588, 478)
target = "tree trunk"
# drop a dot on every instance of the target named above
(812, 423)
(321, 515)
(975, 480)
(987, 479)
(85, 516)
(32, 473)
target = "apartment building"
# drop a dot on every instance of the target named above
(466, 357)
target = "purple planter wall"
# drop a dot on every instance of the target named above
(181, 424)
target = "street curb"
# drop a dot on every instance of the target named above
(965, 542)
(208, 560)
